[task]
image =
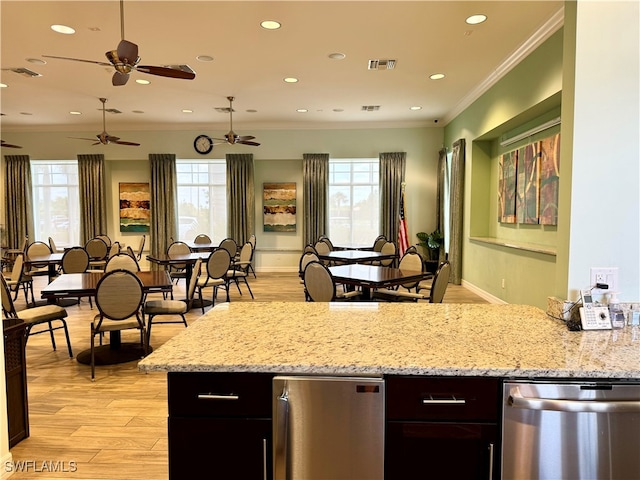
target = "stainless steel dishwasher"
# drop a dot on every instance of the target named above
(571, 430)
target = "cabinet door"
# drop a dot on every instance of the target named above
(430, 450)
(219, 448)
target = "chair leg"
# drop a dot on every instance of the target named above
(53, 340)
(248, 287)
(93, 358)
(184, 320)
(66, 334)
(149, 329)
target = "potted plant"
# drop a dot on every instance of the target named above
(431, 242)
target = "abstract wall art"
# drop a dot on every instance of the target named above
(135, 213)
(507, 187)
(279, 207)
(549, 179)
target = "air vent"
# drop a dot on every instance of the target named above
(370, 108)
(26, 72)
(382, 64)
(223, 109)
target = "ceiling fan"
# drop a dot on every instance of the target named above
(125, 59)
(8, 145)
(232, 138)
(104, 138)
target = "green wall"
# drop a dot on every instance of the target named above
(528, 95)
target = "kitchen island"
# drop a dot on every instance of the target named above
(443, 366)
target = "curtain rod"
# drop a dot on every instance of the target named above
(532, 131)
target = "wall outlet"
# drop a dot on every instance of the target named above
(608, 275)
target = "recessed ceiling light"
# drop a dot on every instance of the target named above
(3, 85)
(337, 56)
(417, 107)
(290, 80)
(63, 29)
(436, 76)
(270, 24)
(302, 110)
(142, 81)
(476, 19)
(204, 58)
(186, 110)
(75, 113)
(37, 61)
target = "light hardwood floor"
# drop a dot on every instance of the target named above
(116, 427)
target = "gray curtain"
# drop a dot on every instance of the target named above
(241, 197)
(456, 211)
(164, 201)
(93, 204)
(440, 204)
(19, 200)
(315, 178)
(392, 170)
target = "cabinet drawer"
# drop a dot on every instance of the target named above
(219, 394)
(445, 399)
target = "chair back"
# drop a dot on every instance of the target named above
(230, 245)
(193, 281)
(440, 282)
(322, 247)
(178, 248)
(379, 242)
(143, 239)
(218, 263)
(114, 249)
(75, 260)
(411, 261)
(325, 239)
(129, 251)
(310, 248)
(52, 245)
(252, 240)
(17, 270)
(246, 252)
(38, 249)
(105, 239)
(122, 261)
(97, 249)
(119, 295)
(202, 238)
(389, 248)
(318, 283)
(306, 259)
(8, 309)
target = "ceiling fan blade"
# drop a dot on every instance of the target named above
(128, 52)
(166, 72)
(246, 142)
(82, 138)
(119, 79)
(122, 142)
(9, 145)
(104, 64)
(244, 137)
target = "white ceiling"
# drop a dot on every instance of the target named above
(424, 37)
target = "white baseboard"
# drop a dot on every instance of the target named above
(481, 293)
(8, 458)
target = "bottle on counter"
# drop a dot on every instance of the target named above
(615, 311)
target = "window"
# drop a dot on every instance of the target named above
(202, 199)
(354, 201)
(56, 202)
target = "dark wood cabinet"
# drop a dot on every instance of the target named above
(219, 425)
(441, 428)
(14, 332)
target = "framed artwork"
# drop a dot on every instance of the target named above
(549, 179)
(279, 207)
(507, 187)
(528, 169)
(135, 212)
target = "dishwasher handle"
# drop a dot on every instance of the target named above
(280, 446)
(516, 400)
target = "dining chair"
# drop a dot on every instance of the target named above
(154, 308)
(44, 315)
(98, 252)
(440, 283)
(410, 261)
(143, 240)
(76, 260)
(129, 251)
(240, 267)
(105, 239)
(310, 248)
(305, 259)
(202, 238)
(252, 241)
(325, 239)
(322, 248)
(20, 280)
(218, 264)
(119, 296)
(37, 249)
(53, 247)
(230, 245)
(320, 287)
(122, 261)
(379, 242)
(178, 271)
(388, 248)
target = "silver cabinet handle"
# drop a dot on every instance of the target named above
(264, 459)
(280, 444)
(594, 406)
(491, 461)
(213, 396)
(443, 401)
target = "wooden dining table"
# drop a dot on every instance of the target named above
(50, 261)
(369, 277)
(75, 285)
(202, 247)
(354, 256)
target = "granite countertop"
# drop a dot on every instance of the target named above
(395, 338)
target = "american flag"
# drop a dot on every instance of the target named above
(403, 235)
